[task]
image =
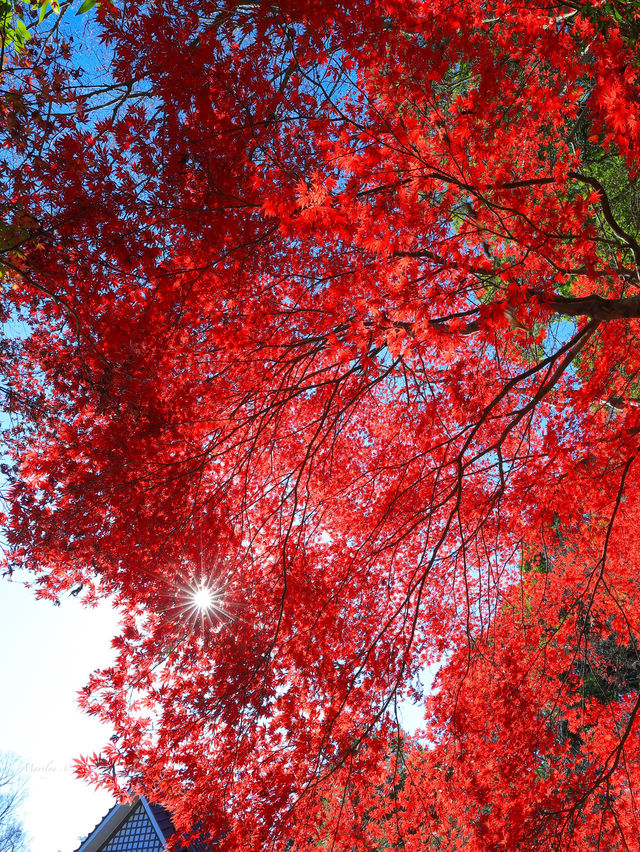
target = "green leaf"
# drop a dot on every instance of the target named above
(43, 11)
(23, 34)
(6, 14)
(86, 6)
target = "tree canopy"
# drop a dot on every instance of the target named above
(329, 312)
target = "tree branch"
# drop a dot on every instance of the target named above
(595, 307)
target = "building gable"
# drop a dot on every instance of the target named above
(136, 834)
(127, 828)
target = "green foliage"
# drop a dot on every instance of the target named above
(13, 28)
(610, 671)
(623, 14)
(536, 563)
(86, 6)
(17, 16)
(622, 190)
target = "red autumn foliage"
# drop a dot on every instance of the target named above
(333, 311)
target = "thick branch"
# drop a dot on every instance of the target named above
(596, 307)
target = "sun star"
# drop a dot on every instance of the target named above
(203, 599)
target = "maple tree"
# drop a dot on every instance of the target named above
(333, 320)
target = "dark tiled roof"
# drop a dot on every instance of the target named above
(163, 819)
(138, 832)
(165, 824)
(116, 817)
